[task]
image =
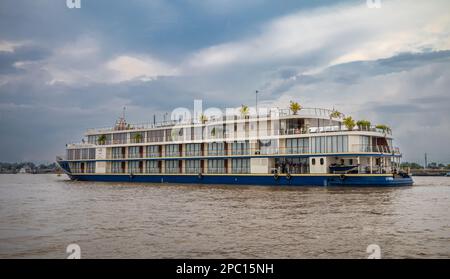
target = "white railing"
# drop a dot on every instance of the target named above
(304, 112)
(375, 148)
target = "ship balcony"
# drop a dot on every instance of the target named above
(153, 170)
(217, 170)
(193, 170)
(135, 155)
(331, 129)
(244, 134)
(193, 153)
(273, 113)
(261, 151)
(364, 148)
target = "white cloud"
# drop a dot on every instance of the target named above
(414, 102)
(8, 46)
(340, 33)
(83, 61)
(144, 68)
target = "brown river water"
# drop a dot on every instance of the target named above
(40, 215)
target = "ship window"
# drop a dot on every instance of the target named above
(193, 149)
(92, 139)
(313, 161)
(134, 152)
(91, 153)
(193, 166)
(321, 161)
(172, 150)
(117, 167)
(216, 166)
(365, 144)
(134, 166)
(216, 148)
(240, 148)
(90, 167)
(172, 166)
(120, 138)
(215, 131)
(117, 153)
(155, 135)
(152, 167)
(300, 145)
(153, 151)
(240, 165)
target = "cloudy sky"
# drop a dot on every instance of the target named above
(64, 70)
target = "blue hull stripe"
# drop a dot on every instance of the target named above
(309, 180)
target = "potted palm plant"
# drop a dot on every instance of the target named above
(137, 137)
(384, 128)
(363, 124)
(203, 118)
(335, 114)
(349, 123)
(294, 107)
(244, 110)
(101, 139)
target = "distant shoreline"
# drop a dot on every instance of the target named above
(429, 172)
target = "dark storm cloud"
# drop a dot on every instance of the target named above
(26, 53)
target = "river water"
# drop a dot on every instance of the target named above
(41, 214)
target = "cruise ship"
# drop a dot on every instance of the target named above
(291, 146)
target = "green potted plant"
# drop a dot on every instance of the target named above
(101, 139)
(335, 114)
(244, 110)
(384, 128)
(349, 123)
(294, 107)
(137, 137)
(203, 118)
(363, 124)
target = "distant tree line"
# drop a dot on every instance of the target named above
(28, 166)
(432, 165)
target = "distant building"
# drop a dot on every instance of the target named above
(25, 169)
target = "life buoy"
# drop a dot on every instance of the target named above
(200, 175)
(131, 175)
(275, 176)
(288, 176)
(342, 176)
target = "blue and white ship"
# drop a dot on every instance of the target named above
(276, 147)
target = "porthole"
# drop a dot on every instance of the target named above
(313, 161)
(321, 161)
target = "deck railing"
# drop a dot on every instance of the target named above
(375, 148)
(274, 113)
(229, 152)
(229, 136)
